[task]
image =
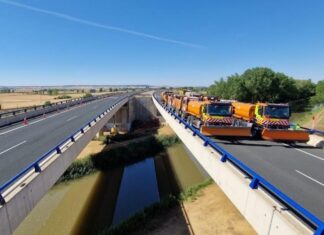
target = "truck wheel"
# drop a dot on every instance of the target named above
(199, 124)
(190, 120)
(256, 133)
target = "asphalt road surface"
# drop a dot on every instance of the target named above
(20, 145)
(297, 170)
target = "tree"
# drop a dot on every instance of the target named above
(305, 88)
(319, 90)
(52, 91)
(257, 84)
(87, 95)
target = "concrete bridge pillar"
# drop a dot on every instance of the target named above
(122, 120)
(140, 107)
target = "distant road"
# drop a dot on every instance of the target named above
(20, 145)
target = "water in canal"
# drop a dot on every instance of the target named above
(87, 205)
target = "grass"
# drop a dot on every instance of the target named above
(191, 193)
(304, 118)
(118, 157)
(60, 97)
(140, 219)
(78, 169)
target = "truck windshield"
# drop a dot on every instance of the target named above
(277, 111)
(219, 109)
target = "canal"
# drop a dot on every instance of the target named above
(89, 204)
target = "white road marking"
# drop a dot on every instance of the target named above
(307, 176)
(15, 146)
(42, 119)
(71, 118)
(312, 155)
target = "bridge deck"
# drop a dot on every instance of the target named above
(20, 145)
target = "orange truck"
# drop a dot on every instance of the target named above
(269, 121)
(177, 103)
(212, 116)
(165, 96)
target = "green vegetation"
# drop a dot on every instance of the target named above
(319, 97)
(61, 97)
(78, 169)
(305, 118)
(140, 219)
(52, 91)
(5, 90)
(124, 137)
(118, 157)
(47, 103)
(87, 95)
(265, 85)
(191, 193)
(262, 84)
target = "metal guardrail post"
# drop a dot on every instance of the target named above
(320, 230)
(254, 183)
(2, 200)
(224, 157)
(37, 168)
(58, 150)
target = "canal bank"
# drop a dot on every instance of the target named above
(108, 188)
(90, 195)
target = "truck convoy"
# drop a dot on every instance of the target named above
(212, 116)
(215, 117)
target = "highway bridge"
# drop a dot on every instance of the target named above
(292, 175)
(278, 187)
(34, 155)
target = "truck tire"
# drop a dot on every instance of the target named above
(190, 120)
(256, 133)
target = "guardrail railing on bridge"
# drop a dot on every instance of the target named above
(14, 116)
(36, 165)
(256, 179)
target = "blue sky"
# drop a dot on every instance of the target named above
(185, 42)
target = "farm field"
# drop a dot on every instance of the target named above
(19, 100)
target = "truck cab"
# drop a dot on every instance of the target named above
(216, 112)
(274, 116)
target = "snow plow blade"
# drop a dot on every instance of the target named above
(285, 135)
(225, 131)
